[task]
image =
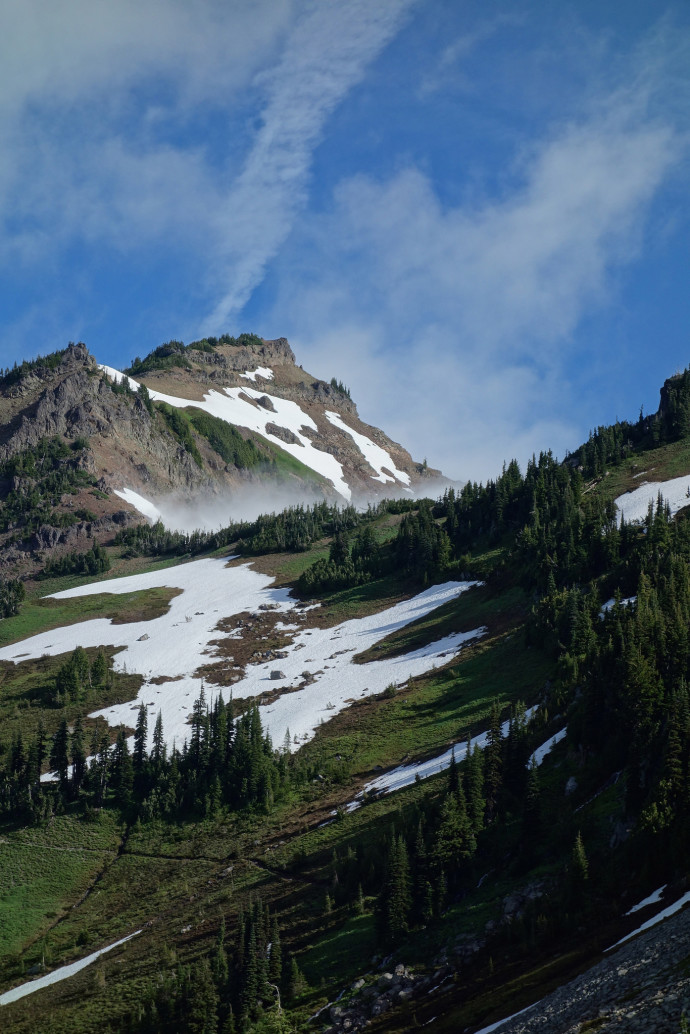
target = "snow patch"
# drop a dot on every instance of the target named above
(144, 506)
(664, 914)
(261, 371)
(375, 456)
(406, 775)
(541, 752)
(59, 974)
(651, 899)
(633, 505)
(119, 377)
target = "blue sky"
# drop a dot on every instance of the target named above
(475, 214)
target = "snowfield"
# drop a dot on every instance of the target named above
(59, 974)
(633, 505)
(176, 644)
(240, 407)
(375, 456)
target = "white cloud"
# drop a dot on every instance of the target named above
(98, 107)
(79, 51)
(453, 325)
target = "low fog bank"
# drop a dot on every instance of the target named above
(211, 512)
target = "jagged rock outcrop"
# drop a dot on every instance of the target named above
(81, 535)
(77, 401)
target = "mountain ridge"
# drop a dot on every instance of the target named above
(171, 439)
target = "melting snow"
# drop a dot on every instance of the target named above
(375, 456)
(664, 914)
(179, 642)
(651, 899)
(59, 974)
(261, 371)
(144, 506)
(237, 406)
(541, 752)
(406, 775)
(634, 505)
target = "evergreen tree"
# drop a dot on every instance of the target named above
(140, 739)
(395, 899)
(100, 670)
(532, 815)
(78, 756)
(422, 890)
(122, 779)
(474, 786)
(493, 762)
(201, 1007)
(455, 840)
(219, 964)
(580, 866)
(158, 749)
(59, 754)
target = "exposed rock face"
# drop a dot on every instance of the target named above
(77, 401)
(229, 366)
(365, 1002)
(81, 535)
(284, 433)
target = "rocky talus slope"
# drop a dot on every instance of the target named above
(641, 987)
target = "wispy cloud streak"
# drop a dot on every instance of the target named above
(326, 54)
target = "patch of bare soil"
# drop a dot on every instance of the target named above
(177, 382)
(249, 638)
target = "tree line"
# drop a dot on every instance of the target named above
(227, 763)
